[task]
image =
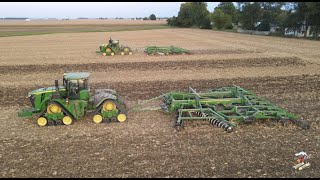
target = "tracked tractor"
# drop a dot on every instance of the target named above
(114, 48)
(61, 105)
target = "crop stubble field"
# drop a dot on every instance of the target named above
(285, 71)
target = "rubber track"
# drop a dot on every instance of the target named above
(63, 109)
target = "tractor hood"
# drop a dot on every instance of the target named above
(45, 90)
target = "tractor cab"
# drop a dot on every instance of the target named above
(77, 86)
(113, 42)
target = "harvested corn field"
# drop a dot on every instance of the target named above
(22, 28)
(285, 71)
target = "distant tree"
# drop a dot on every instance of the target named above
(220, 19)
(313, 15)
(184, 18)
(272, 13)
(200, 15)
(172, 21)
(145, 18)
(250, 14)
(294, 15)
(292, 21)
(298, 17)
(193, 14)
(152, 17)
(270, 10)
(206, 23)
(229, 9)
(281, 19)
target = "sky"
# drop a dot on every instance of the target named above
(75, 10)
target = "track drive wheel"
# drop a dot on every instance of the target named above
(109, 106)
(53, 108)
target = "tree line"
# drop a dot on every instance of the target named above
(282, 14)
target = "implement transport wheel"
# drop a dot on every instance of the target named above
(285, 121)
(230, 129)
(67, 120)
(104, 54)
(109, 106)
(249, 120)
(97, 118)
(112, 54)
(42, 121)
(53, 108)
(178, 128)
(121, 117)
(130, 53)
(122, 53)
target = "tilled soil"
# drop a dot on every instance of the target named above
(147, 145)
(157, 65)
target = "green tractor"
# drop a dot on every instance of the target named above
(114, 48)
(61, 105)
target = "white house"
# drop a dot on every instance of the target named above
(274, 28)
(298, 32)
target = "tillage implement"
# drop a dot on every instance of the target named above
(156, 50)
(223, 107)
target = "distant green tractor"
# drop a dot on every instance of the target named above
(114, 48)
(60, 105)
